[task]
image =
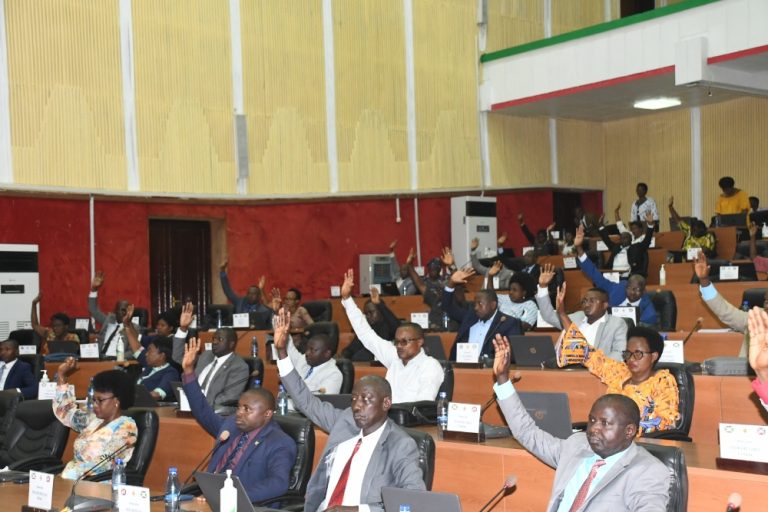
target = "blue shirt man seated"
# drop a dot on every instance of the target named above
(254, 447)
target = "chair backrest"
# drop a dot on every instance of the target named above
(35, 431)
(143, 316)
(331, 329)
(319, 310)
(674, 459)
(433, 346)
(9, 400)
(666, 305)
(211, 318)
(301, 431)
(37, 363)
(256, 369)
(25, 337)
(426, 446)
(347, 370)
(686, 395)
(754, 296)
(447, 384)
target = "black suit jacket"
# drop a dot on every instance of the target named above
(502, 324)
(20, 376)
(637, 254)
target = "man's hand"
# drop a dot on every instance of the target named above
(521, 219)
(601, 220)
(97, 281)
(185, 320)
(392, 245)
(671, 203)
(701, 268)
(752, 233)
(495, 268)
(375, 298)
(276, 299)
(128, 318)
(503, 238)
(262, 282)
(758, 342)
(546, 275)
(411, 255)
(560, 299)
(282, 325)
(617, 210)
(224, 265)
(551, 227)
(502, 358)
(190, 356)
(649, 219)
(474, 244)
(578, 238)
(461, 276)
(348, 284)
(39, 297)
(447, 257)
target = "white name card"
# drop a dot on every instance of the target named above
(47, 390)
(335, 291)
(744, 442)
(555, 235)
(273, 349)
(496, 282)
(527, 248)
(183, 402)
(613, 277)
(729, 273)
(209, 346)
(692, 253)
(601, 246)
(40, 490)
(421, 319)
(541, 323)
(570, 263)
(27, 349)
(136, 320)
(419, 269)
(464, 417)
(82, 323)
(625, 312)
(653, 243)
(89, 351)
(240, 320)
(467, 352)
(673, 352)
(132, 499)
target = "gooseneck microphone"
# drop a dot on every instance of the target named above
(696, 327)
(223, 438)
(509, 483)
(78, 503)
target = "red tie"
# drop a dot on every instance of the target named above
(581, 496)
(341, 486)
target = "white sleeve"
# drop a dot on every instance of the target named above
(432, 381)
(382, 349)
(297, 358)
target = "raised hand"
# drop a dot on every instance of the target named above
(560, 299)
(190, 356)
(758, 342)
(617, 210)
(392, 245)
(520, 219)
(128, 318)
(474, 244)
(752, 231)
(649, 218)
(578, 238)
(282, 325)
(546, 275)
(447, 257)
(501, 360)
(551, 227)
(185, 319)
(97, 281)
(224, 265)
(495, 268)
(348, 284)
(461, 275)
(671, 201)
(411, 255)
(701, 268)
(503, 238)
(601, 220)
(375, 297)
(262, 282)
(39, 297)
(276, 299)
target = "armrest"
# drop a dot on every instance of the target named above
(671, 435)
(35, 463)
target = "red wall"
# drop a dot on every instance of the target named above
(308, 245)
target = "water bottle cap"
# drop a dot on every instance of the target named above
(118, 461)
(443, 394)
(172, 470)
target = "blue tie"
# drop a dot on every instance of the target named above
(240, 442)
(311, 368)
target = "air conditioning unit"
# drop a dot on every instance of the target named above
(472, 217)
(374, 269)
(19, 284)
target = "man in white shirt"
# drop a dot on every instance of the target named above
(111, 324)
(317, 366)
(365, 450)
(413, 375)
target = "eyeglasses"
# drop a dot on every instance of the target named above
(404, 341)
(102, 400)
(637, 354)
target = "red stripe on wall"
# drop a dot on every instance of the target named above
(737, 55)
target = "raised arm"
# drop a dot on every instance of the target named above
(548, 313)
(39, 329)
(201, 410)
(389, 318)
(527, 232)
(565, 321)
(130, 330)
(180, 337)
(418, 282)
(228, 291)
(617, 213)
(752, 245)
(672, 210)
(93, 300)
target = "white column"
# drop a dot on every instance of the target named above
(607, 10)
(238, 103)
(129, 96)
(410, 94)
(553, 168)
(330, 97)
(696, 188)
(6, 156)
(547, 18)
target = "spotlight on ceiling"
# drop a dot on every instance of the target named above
(657, 103)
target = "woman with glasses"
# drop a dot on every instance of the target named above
(654, 391)
(102, 431)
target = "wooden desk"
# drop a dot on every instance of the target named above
(85, 371)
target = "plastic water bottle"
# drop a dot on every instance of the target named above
(118, 478)
(172, 491)
(282, 401)
(442, 414)
(254, 347)
(445, 321)
(228, 495)
(89, 397)
(405, 507)
(765, 231)
(120, 349)
(218, 319)
(404, 291)
(745, 306)
(256, 383)
(662, 276)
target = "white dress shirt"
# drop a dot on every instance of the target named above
(203, 374)
(478, 331)
(326, 376)
(590, 330)
(420, 379)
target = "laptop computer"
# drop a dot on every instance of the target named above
(550, 411)
(338, 401)
(211, 483)
(389, 289)
(531, 350)
(433, 346)
(419, 501)
(142, 397)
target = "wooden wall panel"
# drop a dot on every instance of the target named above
(580, 154)
(513, 22)
(734, 143)
(284, 89)
(184, 96)
(66, 94)
(446, 94)
(568, 15)
(370, 95)
(519, 151)
(655, 149)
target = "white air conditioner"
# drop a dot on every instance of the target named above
(19, 284)
(472, 217)
(374, 269)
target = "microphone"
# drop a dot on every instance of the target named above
(84, 503)
(517, 376)
(696, 327)
(734, 502)
(509, 483)
(223, 438)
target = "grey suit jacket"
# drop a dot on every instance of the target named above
(395, 460)
(504, 274)
(731, 316)
(638, 482)
(611, 335)
(107, 320)
(227, 384)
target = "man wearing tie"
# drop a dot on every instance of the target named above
(254, 448)
(317, 366)
(16, 374)
(602, 469)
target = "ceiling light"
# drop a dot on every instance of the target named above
(657, 103)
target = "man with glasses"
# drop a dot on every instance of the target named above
(365, 450)
(624, 293)
(413, 375)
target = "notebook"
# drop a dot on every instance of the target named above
(419, 501)
(532, 350)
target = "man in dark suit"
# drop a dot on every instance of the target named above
(365, 450)
(158, 369)
(480, 324)
(626, 258)
(254, 447)
(16, 374)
